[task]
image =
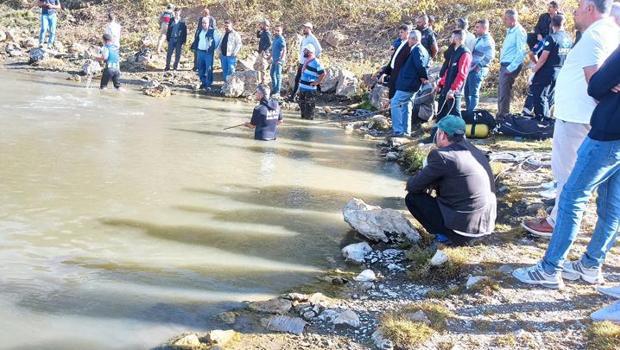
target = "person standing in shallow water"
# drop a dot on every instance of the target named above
(312, 75)
(111, 57)
(266, 116)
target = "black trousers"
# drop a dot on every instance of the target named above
(297, 78)
(174, 48)
(110, 74)
(540, 96)
(425, 209)
(307, 103)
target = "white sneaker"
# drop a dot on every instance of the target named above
(574, 270)
(537, 276)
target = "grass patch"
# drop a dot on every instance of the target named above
(506, 341)
(444, 293)
(486, 287)
(422, 270)
(405, 333)
(603, 336)
(413, 158)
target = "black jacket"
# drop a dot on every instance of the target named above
(181, 32)
(264, 42)
(605, 120)
(400, 60)
(462, 177)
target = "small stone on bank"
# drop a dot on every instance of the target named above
(439, 258)
(473, 280)
(348, 318)
(286, 324)
(356, 252)
(366, 276)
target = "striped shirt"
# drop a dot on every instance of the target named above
(310, 75)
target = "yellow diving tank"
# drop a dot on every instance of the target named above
(479, 131)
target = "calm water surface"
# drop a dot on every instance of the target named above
(125, 219)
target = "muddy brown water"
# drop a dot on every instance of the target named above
(126, 219)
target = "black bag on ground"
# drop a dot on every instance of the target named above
(479, 123)
(424, 102)
(517, 125)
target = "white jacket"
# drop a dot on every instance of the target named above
(234, 44)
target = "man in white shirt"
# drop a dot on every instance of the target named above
(114, 30)
(573, 105)
(308, 38)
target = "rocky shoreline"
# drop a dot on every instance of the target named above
(392, 288)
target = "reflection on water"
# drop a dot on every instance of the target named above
(126, 219)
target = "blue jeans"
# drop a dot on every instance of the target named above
(597, 166)
(401, 106)
(48, 23)
(228, 65)
(205, 68)
(472, 88)
(276, 77)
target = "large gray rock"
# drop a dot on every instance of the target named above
(272, 306)
(348, 84)
(376, 223)
(241, 84)
(366, 276)
(356, 252)
(379, 122)
(286, 324)
(37, 55)
(379, 97)
(220, 337)
(187, 341)
(332, 76)
(348, 318)
(247, 63)
(334, 38)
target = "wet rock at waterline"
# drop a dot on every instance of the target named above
(285, 324)
(379, 122)
(157, 90)
(241, 84)
(37, 55)
(366, 276)
(272, 306)
(379, 224)
(356, 252)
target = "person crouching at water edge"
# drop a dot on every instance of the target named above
(312, 75)
(464, 206)
(266, 116)
(111, 57)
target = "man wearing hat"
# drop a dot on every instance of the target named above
(264, 45)
(312, 74)
(459, 175)
(308, 38)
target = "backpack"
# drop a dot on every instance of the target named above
(424, 102)
(526, 127)
(479, 123)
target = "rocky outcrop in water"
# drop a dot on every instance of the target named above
(379, 224)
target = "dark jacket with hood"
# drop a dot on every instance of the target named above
(265, 118)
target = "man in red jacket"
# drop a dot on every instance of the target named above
(450, 86)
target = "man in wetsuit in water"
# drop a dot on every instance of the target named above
(266, 116)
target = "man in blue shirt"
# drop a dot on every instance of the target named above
(111, 58)
(555, 47)
(266, 116)
(48, 21)
(511, 60)
(278, 56)
(482, 56)
(312, 75)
